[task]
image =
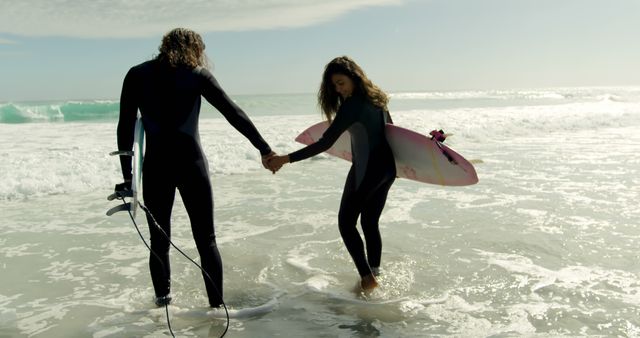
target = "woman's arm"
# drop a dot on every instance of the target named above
(344, 119)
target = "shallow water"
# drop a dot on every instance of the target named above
(545, 245)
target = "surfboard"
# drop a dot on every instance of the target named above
(418, 157)
(358, 299)
(136, 182)
(246, 311)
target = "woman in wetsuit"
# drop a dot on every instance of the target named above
(167, 90)
(360, 107)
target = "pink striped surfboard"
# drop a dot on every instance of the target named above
(418, 157)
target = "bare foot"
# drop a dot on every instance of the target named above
(368, 283)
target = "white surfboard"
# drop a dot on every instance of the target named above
(138, 158)
(242, 312)
(418, 157)
(136, 181)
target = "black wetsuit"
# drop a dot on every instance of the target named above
(169, 102)
(369, 180)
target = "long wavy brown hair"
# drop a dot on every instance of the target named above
(329, 100)
(182, 47)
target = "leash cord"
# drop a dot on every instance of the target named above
(166, 305)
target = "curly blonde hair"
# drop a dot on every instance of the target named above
(329, 100)
(182, 47)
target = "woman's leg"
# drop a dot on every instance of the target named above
(350, 206)
(370, 218)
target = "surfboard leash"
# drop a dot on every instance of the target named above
(166, 305)
(224, 305)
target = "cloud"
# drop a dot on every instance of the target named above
(6, 42)
(126, 18)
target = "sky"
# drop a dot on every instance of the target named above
(78, 49)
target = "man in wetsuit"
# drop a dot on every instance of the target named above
(167, 91)
(361, 108)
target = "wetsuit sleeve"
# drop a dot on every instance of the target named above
(127, 122)
(344, 119)
(214, 94)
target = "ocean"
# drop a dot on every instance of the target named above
(545, 245)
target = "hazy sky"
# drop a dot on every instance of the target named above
(79, 49)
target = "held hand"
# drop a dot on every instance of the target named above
(276, 162)
(265, 161)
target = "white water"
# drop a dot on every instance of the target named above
(546, 244)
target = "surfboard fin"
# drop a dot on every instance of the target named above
(121, 207)
(120, 194)
(121, 153)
